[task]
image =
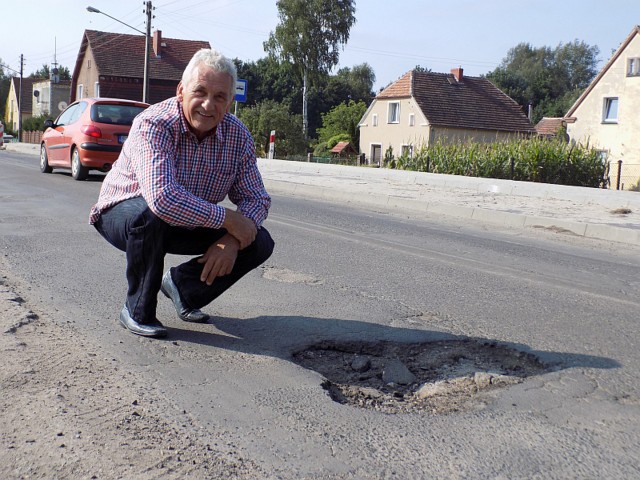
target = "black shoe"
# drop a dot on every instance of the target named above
(153, 329)
(187, 314)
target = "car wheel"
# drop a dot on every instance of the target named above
(44, 160)
(78, 171)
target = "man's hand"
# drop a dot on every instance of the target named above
(240, 227)
(219, 258)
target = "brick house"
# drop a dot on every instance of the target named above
(112, 65)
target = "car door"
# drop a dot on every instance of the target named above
(71, 132)
(55, 143)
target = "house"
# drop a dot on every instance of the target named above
(50, 97)
(112, 65)
(606, 114)
(11, 107)
(343, 149)
(422, 108)
(550, 127)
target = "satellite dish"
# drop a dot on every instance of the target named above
(62, 106)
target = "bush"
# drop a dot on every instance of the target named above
(34, 124)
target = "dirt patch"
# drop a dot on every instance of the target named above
(555, 228)
(71, 411)
(435, 377)
(621, 211)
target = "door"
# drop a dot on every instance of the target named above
(376, 154)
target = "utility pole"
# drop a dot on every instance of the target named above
(145, 85)
(20, 99)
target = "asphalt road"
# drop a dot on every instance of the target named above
(355, 275)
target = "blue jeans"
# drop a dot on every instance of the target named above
(133, 228)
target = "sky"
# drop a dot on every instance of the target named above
(392, 36)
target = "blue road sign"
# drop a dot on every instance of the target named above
(241, 90)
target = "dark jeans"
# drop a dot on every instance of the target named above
(131, 227)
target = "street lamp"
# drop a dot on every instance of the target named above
(147, 36)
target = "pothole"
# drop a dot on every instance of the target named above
(434, 377)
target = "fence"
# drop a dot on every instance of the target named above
(352, 160)
(624, 176)
(31, 137)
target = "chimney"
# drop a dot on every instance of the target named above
(157, 43)
(457, 74)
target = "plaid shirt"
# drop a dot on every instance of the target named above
(183, 180)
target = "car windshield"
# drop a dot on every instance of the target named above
(116, 114)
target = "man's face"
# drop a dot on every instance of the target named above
(206, 97)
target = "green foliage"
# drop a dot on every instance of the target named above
(308, 36)
(44, 73)
(341, 137)
(34, 124)
(268, 115)
(269, 79)
(389, 159)
(272, 79)
(310, 32)
(533, 159)
(323, 149)
(343, 120)
(5, 84)
(548, 79)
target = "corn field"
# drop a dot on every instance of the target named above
(531, 160)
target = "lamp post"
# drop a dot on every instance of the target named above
(147, 36)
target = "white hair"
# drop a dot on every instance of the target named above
(214, 60)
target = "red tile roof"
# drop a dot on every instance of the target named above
(341, 147)
(122, 55)
(472, 102)
(549, 125)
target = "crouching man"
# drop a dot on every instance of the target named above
(182, 158)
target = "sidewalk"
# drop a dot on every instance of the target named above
(588, 212)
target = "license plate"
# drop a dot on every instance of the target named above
(122, 138)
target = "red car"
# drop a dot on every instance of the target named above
(87, 135)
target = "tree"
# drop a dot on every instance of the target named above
(44, 73)
(343, 119)
(5, 84)
(271, 79)
(308, 37)
(269, 115)
(548, 79)
(268, 79)
(351, 84)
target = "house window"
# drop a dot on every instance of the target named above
(412, 119)
(96, 89)
(374, 120)
(633, 67)
(394, 112)
(80, 92)
(610, 114)
(88, 64)
(407, 151)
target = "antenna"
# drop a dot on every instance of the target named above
(55, 78)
